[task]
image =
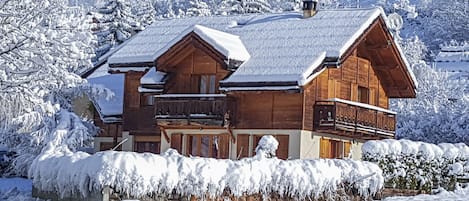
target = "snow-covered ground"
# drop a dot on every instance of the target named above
(16, 189)
(458, 195)
(23, 192)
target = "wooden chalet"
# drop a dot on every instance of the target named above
(212, 86)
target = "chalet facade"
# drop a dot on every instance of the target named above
(213, 86)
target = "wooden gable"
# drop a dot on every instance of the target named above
(187, 61)
(378, 46)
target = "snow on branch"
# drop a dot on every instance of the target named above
(417, 165)
(138, 175)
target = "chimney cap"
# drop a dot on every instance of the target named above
(309, 8)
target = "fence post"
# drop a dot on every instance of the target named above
(106, 193)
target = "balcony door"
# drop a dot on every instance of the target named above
(204, 84)
(334, 148)
(209, 146)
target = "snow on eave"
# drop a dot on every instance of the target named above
(148, 90)
(106, 119)
(127, 69)
(153, 77)
(378, 11)
(310, 73)
(399, 50)
(217, 39)
(227, 44)
(406, 65)
(265, 88)
(212, 37)
(104, 58)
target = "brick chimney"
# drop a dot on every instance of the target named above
(309, 8)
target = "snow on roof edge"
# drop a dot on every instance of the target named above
(264, 88)
(377, 12)
(399, 49)
(309, 73)
(406, 63)
(212, 36)
(152, 77)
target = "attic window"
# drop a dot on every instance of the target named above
(363, 95)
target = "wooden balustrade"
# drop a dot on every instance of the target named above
(345, 116)
(190, 106)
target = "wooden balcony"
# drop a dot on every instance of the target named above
(191, 107)
(356, 119)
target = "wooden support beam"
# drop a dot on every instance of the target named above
(386, 67)
(165, 134)
(377, 46)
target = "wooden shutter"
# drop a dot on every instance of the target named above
(283, 142)
(224, 146)
(194, 84)
(373, 97)
(176, 142)
(354, 92)
(324, 148)
(331, 89)
(242, 146)
(347, 147)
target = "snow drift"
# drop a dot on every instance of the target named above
(146, 174)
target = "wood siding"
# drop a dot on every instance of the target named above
(343, 82)
(185, 75)
(107, 129)
(137, 119)
(268, 110)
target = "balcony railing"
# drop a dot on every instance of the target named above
(347, 116)
(190, 106)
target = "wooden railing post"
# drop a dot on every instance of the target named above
(376, 122)
(334, 115)
(356, 118)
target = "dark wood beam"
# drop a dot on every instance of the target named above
(377, 46)
(385, 67)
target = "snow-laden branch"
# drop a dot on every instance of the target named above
(42, 45)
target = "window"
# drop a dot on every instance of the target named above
(363, 95)
(151, 147)
(210, 146)
(207, 84)
(334, 148)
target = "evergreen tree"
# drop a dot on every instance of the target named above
(116, 23)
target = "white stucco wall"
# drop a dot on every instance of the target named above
(129, 144)
(309, 145)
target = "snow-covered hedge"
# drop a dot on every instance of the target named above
(417, 165)
(148, 174)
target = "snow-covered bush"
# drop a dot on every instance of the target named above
(417, 165)
(139, 175)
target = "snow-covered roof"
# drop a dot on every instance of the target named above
(153, 77)
(453, 58)
(444, 56)
(109, 106)
(228, 44)
(282, 47)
